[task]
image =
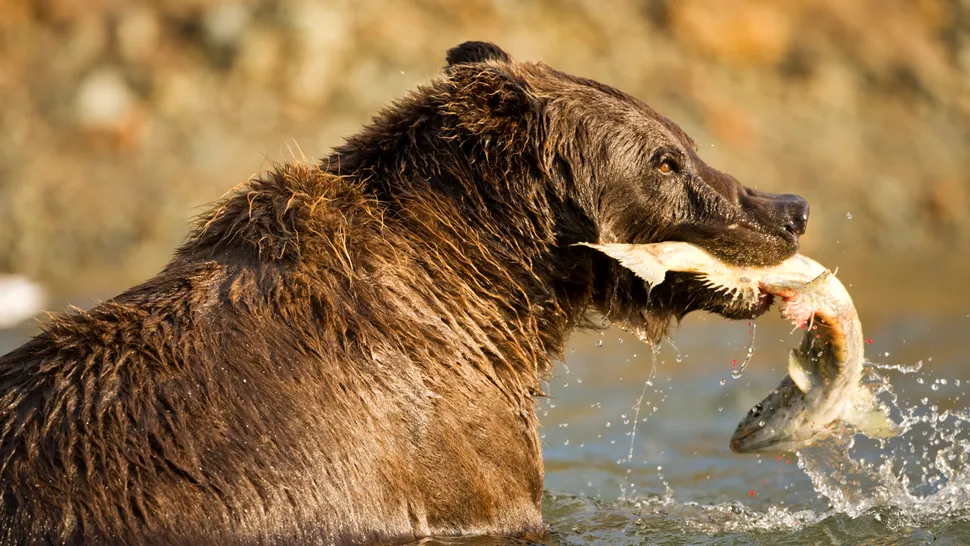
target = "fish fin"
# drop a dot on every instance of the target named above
(738, 288)
(635, 258)
(874, 422)
(801, 376)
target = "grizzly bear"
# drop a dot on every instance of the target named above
(351, 351)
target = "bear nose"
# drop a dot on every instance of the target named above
(795, 213)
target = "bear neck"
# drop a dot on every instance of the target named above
(485, 225)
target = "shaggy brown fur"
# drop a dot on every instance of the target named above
(350, 352)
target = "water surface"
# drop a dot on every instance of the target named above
(684, 486)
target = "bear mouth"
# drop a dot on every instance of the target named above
(700, 297)
(683, 293)
(741, 243)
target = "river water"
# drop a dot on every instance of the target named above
(683, 485)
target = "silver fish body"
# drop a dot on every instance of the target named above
(823, 387)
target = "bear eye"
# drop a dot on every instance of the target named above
(668, 166)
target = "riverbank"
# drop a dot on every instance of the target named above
(121, 120)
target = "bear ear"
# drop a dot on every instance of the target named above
(490, 99)
(476, 52)
(487, 98)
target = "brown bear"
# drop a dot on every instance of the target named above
(351, 352)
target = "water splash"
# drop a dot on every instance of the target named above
(736, 371)
(925, 472)
(901, 368)
(654, 352)
(887, 487)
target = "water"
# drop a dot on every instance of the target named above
(654, 351)
(736, 370)
(684, 486)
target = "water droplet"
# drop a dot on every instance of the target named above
(956, 382)
(599, 343)
(942, 381)
(761, 423)
(920, 380)
(565, 442)
(608, 423)
(848, 215)
(720, 409)
(723, 381)
(935, 387)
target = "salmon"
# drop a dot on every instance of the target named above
(823, 389)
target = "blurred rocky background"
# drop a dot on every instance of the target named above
(120, 120)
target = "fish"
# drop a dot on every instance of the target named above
(823, 390)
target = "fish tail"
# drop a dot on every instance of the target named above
(873, 420)
(637, 258)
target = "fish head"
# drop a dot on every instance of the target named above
(786, 420)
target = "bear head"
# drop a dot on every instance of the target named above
(542, 160)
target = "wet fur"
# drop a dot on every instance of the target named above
(351, 351)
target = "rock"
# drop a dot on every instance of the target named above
(20, 299)
(103, 101)
(260, 56)
(321, 37)
(739, 32)
(225, 23)
(137, 34)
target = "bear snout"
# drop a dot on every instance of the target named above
(794, 213)
(782, 213)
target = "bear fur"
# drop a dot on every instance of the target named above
(351, 351)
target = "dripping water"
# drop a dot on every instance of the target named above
(654, 350)
(738, 370)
